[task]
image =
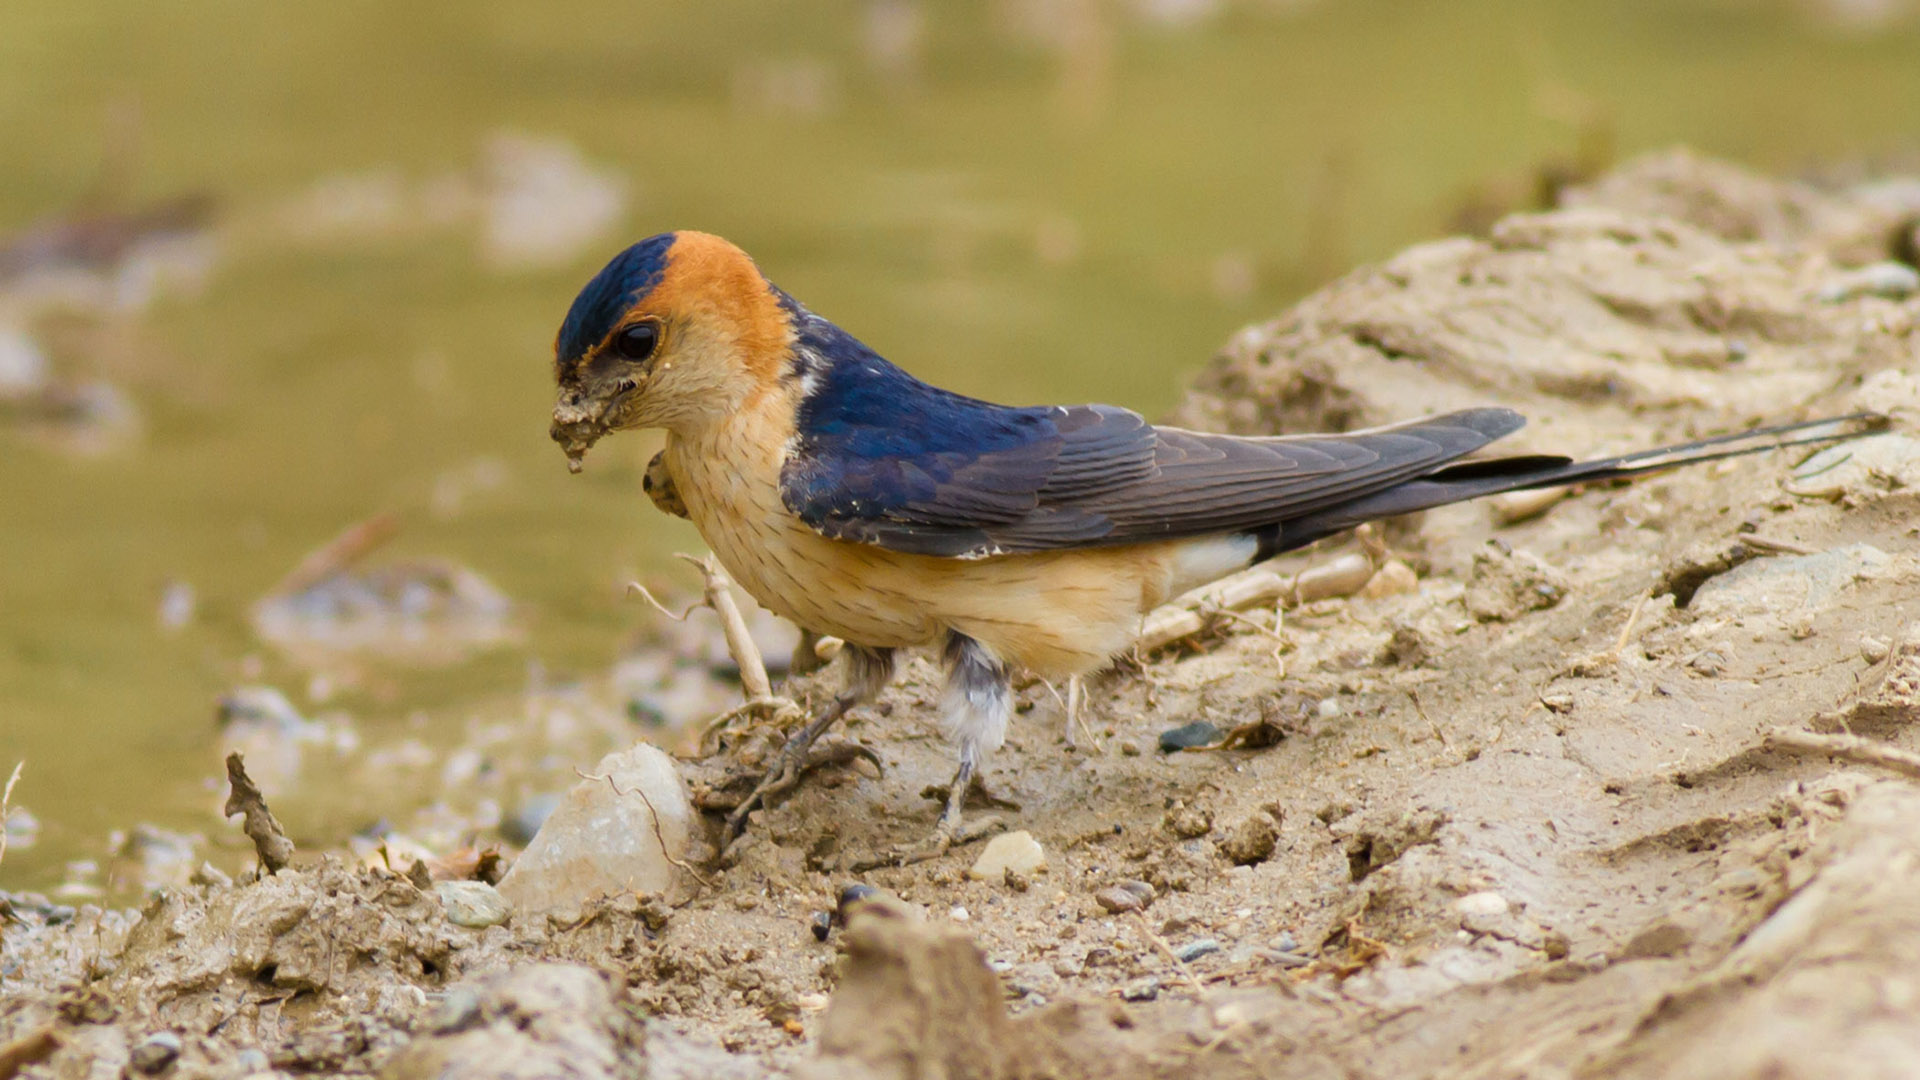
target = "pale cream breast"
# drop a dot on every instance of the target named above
(1055, 613)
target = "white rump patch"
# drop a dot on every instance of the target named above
(1208, 559)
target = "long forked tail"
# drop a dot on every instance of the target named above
(1474, 479)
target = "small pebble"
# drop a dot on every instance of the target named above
(1194, 950)
(210, 875)
(1873, 649)
(1187, 736)
(822, 925)
(1889, 280)
(155, 1053)
(1393, 578)
(458, 1010)
(473, 904)
(1016, 851)
(1250, 840)
(60, 913)
(1141, 989)
(959, 914)
(1328, 709)
(1284, 943)
(1187, 822)
(1481, 903)
(1129, 748)
(851, 895)
(1119, 901)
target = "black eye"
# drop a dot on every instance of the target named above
(637, 342)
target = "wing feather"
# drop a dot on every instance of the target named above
(882, 458)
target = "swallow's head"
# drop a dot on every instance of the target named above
(678, 330)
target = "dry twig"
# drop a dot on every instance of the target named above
(1186, 973)
(1190, 614)
(1782, 547)
(1846, 747)
(337, 554)
(269, 839)
(746, 652)
(761, 700)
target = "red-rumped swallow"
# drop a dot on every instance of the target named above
(858, 501)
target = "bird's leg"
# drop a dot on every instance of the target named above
(867, 673)
(976, 706)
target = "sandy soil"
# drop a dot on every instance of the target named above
(1520, 816)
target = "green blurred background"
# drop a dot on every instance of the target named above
(1023, 199)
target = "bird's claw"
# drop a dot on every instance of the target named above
(947, 835)
(783, 777)
(791, 765)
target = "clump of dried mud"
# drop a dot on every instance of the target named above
(1520, 819)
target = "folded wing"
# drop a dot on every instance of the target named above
(912, 468)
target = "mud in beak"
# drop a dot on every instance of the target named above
(576, 427)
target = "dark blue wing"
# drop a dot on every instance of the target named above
(882, 458)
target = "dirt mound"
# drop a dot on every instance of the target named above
(1573, 800)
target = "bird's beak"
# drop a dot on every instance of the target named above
(577, 425)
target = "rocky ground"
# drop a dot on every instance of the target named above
(1564, 790)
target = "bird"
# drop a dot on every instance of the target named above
(860, 502)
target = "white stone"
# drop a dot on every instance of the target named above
(1015, 851)
(1481, 903)
(602, 839)
(474, 904)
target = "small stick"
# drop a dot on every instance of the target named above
(353, 543)
(1421, 710)
(1626, 631)
(1189, 615)
(636, 587)
(1767, 543)
(1071, 703)
(1846, 747)
(746, 652)
(718, 595)
(6, 807)
(1517, 506)
(1076, 702)
(1199, 989)
(269, 839)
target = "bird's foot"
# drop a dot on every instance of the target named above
(947, 835)
(767, 710)
(947, 832)
(724, 794)
(977, 794)
(787, 767)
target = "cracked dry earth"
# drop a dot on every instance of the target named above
(1514, 816)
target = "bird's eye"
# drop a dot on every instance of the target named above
(637, 342)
